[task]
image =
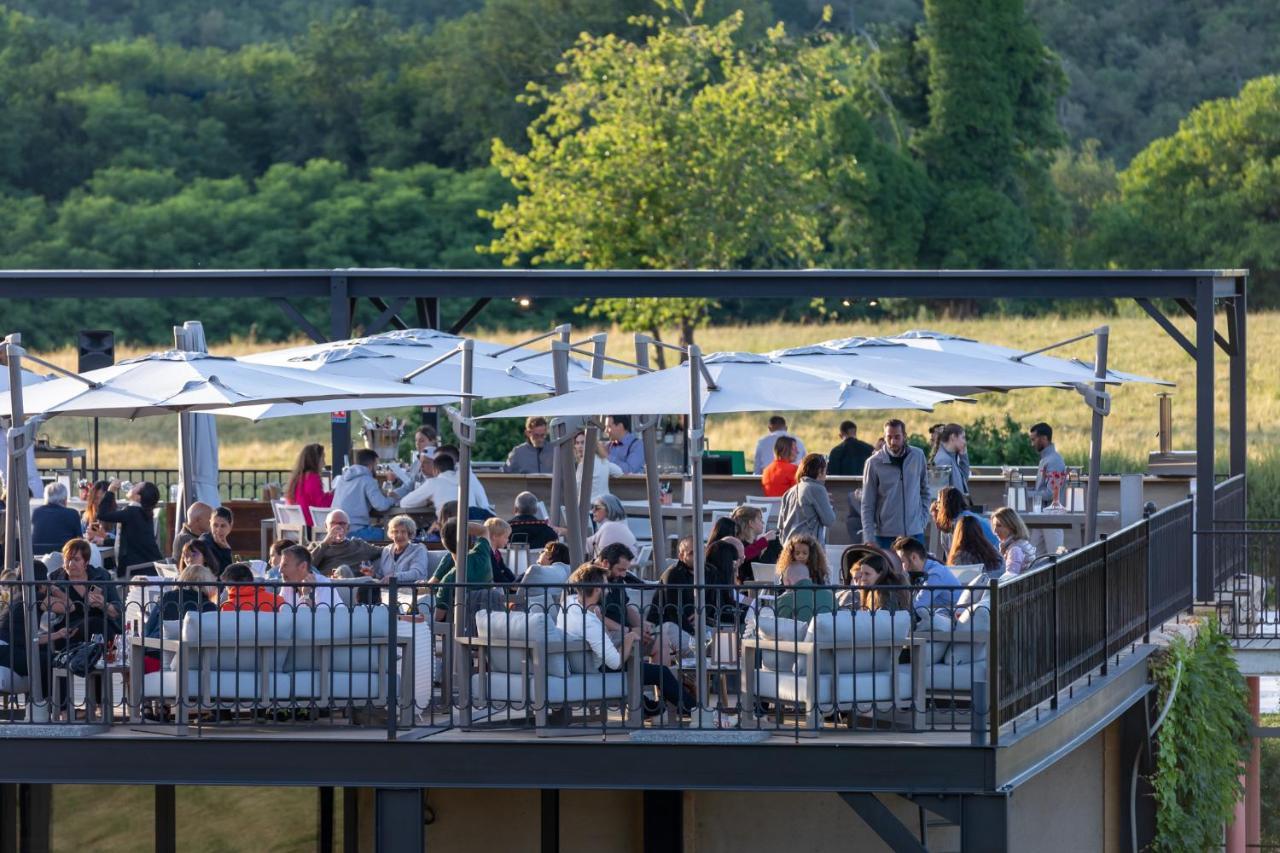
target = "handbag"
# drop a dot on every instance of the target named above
(79, 659)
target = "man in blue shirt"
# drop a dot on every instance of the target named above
(941, 587)
(625, 449)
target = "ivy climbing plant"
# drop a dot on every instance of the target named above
(1202, 743)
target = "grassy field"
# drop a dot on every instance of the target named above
(1137, 345)
(211, 820)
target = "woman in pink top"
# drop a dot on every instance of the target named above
(305, 488)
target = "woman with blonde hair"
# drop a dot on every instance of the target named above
(1016, 549)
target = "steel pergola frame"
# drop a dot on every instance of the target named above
(1198, 293)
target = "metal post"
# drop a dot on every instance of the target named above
(166, 819)
(559, 501)
(1101, 338)
(592, 438)
(1239, 366)
(17, 520)
(339, 329)
(1053, 569)
(550, 820)
(1204, 439)
(398, 821)
(993, 664)
(393, 699)
(649, 436)
(8, 818)
(350, 820)
(563, 467)
(1106, 606)
(324, 820)
(699, 561)
(462, 654)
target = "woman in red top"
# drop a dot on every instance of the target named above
(245, 593)
(780, 474)
(305, 488)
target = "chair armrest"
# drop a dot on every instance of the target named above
(799, 647)
(960, 635)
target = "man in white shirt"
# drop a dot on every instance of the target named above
(764, 447)
(295, 568)
(436, 490)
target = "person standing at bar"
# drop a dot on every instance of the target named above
(1041, 434)
(626, 450)
(949, 449)
(895, 490)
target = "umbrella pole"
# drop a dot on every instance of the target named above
(1102, 335)
(563, 468)
(558, 503)
(699, 555)
(186, 480)
(649, 436)
(17, 523)
(591, 440)
(462, 654)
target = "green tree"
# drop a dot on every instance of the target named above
(991, 133)
(684, 151)
(1207, 196)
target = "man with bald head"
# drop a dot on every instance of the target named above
(199, 517)
(339, 547)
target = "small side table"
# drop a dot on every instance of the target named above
(100, 677)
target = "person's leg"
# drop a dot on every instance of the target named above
(668, 685)
(885, 542)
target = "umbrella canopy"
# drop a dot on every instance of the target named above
(744, 382)
(28, 378)
(198, 466)
(173, 381)
(954, 345)
(879, 360)
(386, 358)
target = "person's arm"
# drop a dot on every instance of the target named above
(960, 474)
(312, 493)
(870, 489)
(510, 466)
(108, 510)
(821, 500)
(924, 492)
(377, 500)
(601, 644)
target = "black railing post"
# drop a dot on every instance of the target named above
(393, 704)
(1053, 573)
(1146, 537)
(993, 663)
(1106, 605)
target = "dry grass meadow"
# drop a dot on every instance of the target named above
(1137, 345)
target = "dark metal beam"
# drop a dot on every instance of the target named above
(390, 314)
(398, 821)
(663, 813)
(550, 820)
(339, 329)
(472, 312)
(895, 766)
(1238, 319)
(984, 823)
(1204, 442)
(36, 822)
(884, 823)
(302, 322)
(1190, 309)
(917, 284)
(1163, 322)
(324, 819)
(9, 818)
(428, 312)
(350, 820)
(166, 819)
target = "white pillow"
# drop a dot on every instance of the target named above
(769, 628)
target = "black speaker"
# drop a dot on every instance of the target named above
(96, 349)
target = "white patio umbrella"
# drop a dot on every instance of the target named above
(735, 382)
(200, 481)
(877, 360)
(955, 345)
(174, 381)
(383, 360)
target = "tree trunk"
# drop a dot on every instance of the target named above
(659, 353)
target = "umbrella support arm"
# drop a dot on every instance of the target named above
(561, 332)
(1101, 330)
(71, 374)
(648, 340)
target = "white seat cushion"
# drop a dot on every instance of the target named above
(222, 685)
(955, 676)
(861, 692)
(863, 627)
(769, 628)
(579, 687)
(498, 627)
(11, 682)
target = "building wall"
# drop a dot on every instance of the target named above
(1075, 805)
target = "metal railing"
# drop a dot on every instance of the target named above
(233, 483)
(969, 658)
(1247, 556)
